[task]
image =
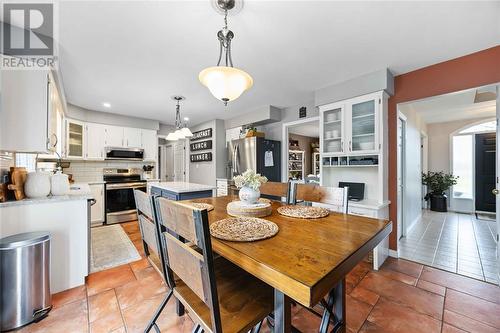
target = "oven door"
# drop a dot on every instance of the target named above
(120, 202)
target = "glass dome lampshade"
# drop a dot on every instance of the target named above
(225, 83)
(171, 137)
(186, 132)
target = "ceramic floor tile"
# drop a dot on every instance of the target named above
(403, 266)
(69, 296)
(451, 329)
(391, 317)
(109, 279)
(109, 323)
(139, 264)
(103, 304)
(466, 323)
(356, 312)
(137, 291)
(397, 276)
(473, 307)
(417, 299)
(365, 295)
(429, 286)
(461, 283)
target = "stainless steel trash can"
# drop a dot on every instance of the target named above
(24, 279)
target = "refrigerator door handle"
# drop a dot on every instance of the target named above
(236, 161)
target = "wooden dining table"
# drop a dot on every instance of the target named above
(306, 260)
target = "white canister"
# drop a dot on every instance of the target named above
(248, 195)
(37, 185)
(59, 184)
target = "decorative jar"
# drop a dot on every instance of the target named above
(37, 185)
(248, 195)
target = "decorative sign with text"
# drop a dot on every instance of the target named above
(201, 157)
(202, 145)
(203, 134)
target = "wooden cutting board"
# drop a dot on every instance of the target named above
(18, 178)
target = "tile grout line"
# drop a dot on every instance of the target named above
(369, 313)
(439, 239)
(120, 308)
(88, 309)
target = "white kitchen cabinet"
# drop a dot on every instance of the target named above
(97, 210)
(132, 137)
(25, 118)
(96, 141)
(351, 127)
(149, 144)
(75, 139)
(114, 136)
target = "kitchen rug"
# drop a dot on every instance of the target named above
(111, 247)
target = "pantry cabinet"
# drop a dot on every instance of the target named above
(351, 127)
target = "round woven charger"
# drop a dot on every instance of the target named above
(303, 212)
(243, 229)
(201, 205)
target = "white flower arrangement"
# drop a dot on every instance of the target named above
(250, 179)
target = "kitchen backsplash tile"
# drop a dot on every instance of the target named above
(91, 171)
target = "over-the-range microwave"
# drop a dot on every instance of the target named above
(118, 153)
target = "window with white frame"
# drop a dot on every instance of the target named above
(463, 166)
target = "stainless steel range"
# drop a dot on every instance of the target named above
(119, 198)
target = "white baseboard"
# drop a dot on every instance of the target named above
(413, 224)
(393, 253)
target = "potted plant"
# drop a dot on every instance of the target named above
(249, 183)
(437, 183)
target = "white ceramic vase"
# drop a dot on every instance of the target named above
(59, 184)
(37, 185)
(248, 195)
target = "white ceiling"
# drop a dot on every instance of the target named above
(310, 129)
(136, 54)
(451, 107)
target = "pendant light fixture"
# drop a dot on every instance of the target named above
(226, 83)
(181, 131)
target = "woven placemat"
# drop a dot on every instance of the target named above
(243, 229)
(201, 205)
(303, 212)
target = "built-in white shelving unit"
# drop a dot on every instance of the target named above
(296, 164)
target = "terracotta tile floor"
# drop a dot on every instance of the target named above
(402, 297)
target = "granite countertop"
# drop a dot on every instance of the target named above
(182, 187)
(49, 199)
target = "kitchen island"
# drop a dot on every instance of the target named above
(181, 190)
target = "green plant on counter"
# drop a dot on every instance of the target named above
(438, 182)
(250, 179)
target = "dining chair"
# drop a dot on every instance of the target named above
(218, 296)
(276, 191)
(335, 197)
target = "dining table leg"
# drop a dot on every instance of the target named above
(282, 313)
(335, 310)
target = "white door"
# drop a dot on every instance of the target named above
(97, 210)
(179, 162)
(95, 141)
(400, 175)
(498, 185)
(114, 136)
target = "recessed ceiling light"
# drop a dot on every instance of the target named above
(186, 118)
(106, 105)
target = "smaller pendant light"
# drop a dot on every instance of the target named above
(181, 132)
(226, 83)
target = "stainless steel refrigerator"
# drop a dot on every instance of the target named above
(259, 154)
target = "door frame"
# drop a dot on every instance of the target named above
(497, 217)
(284, 153)
(424, 165)
(400, 205)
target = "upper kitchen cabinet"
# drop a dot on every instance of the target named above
(132, 137)
(149, 144)
(32, 112)
(96, 141)
(114, 136)
(75, 139)
(352, 127)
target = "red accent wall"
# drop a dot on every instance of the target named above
(473, 70)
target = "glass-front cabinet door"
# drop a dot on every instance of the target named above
(333, 130)
(74, 139)
(363, 129)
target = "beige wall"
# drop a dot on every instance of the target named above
(439, 142)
